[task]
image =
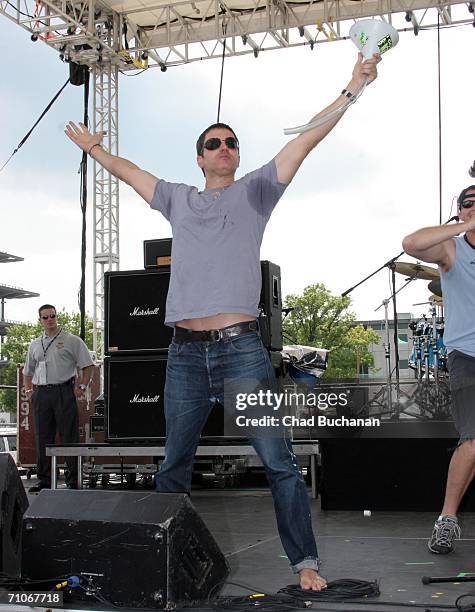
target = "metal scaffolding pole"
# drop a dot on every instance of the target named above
(106, 193)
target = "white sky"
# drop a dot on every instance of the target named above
(373, 180)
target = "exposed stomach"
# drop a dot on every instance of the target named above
(215, 322)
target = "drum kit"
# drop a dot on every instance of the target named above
(429, 356)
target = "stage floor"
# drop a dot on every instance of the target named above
(390, 547)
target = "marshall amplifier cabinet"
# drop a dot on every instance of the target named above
(135, 311)
(270, 320)
(157, 253)
(134, 389)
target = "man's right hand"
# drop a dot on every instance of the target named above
(82, 137)
(469, 224)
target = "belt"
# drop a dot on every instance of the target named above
(64, 384)
(215, 335)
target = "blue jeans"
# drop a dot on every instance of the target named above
(196, 372)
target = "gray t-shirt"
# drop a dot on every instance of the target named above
(458, 289)
(56, 360)
(217, 235)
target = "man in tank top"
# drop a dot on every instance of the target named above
(213, 298)
(452, 247)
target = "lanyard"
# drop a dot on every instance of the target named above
(45, 350)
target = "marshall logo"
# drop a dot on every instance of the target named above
(144, 312)
(145, 399)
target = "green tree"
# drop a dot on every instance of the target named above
(323, 320)
(16, 346)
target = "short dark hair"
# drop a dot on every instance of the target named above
(45, 307)
(201, 140)
(463, 194)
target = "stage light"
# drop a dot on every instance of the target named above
(301, 31)
(144, 56)
(470, 7)
(256, 53)
(312, 45)
(244, 39)
(407, 16)
(34, 37)
(163, 68)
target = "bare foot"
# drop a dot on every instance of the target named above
(311, 581)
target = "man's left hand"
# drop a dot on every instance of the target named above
(366, 68)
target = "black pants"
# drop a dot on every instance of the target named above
(55, 409)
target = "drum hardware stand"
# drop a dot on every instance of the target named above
(387, 345)
(432, 394)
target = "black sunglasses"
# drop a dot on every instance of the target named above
(214, 143)
(46, 317)
(467, 203)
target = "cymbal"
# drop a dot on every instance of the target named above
(436, 287)
(439, 301)
(416, 270)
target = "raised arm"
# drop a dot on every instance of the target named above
(288, 160)
(143, 182)
(435, 244)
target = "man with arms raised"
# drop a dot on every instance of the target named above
(455, 256)
(213, 303)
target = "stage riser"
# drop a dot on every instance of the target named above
(387, 474)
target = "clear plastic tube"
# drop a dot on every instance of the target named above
(324, 118)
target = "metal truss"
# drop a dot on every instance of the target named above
(165, 33)
(106, 194)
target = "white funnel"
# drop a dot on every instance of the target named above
(373, 36)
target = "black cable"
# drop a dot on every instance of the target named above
(135, 73)
(338, 590)
(25, 138)
(83, 201)
(440, 117)
(468, 608)
(26, 14)
(259, 599)
(221, 79)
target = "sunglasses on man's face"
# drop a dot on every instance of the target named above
(46, 317)
(214, 143)
(467, 203)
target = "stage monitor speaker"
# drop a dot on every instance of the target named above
(135, 311)
(132, 549)
(270, 304)
(157, 253)
(134, 391)
(13, 504)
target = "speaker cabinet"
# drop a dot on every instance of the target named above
(135, 303)
(387, 474)
(270, 303)
(134, 389)
(135, 549)
(134, 392)
(157, 253)
(13, 504)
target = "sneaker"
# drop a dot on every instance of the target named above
(38, 487)
(446, 530)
